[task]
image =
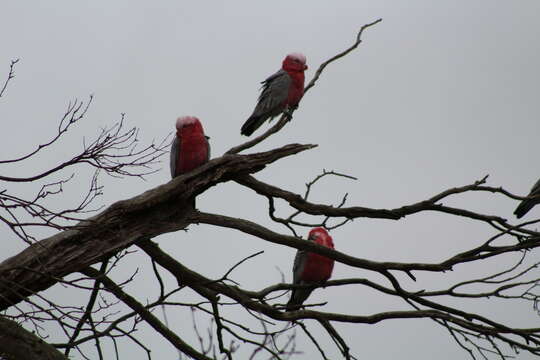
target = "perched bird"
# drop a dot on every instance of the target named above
(310, 268)
(528, 204)
(281, 90)
(190, 148)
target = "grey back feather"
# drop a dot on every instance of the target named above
(528, 204)
(175, 146)
(299, 264)
(208, 147)
(298, 296)
(535, 189)
(274, 92)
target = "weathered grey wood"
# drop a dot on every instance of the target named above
(16, 343)
(156, 211)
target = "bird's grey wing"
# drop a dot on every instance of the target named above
(299, 264)
(298, 296)
(175, 147)
(208, 147)
(274, 92)
(528, 204)
(535, 189)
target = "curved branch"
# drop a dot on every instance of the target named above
(340, 55)
(298, 202)
(261, 232)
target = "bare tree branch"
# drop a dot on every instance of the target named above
(145, 314)
(157, 211)
(75, 112)
(340, 55)
(10, 76)
(114, 151)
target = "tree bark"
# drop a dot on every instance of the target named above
(163, 209)
(16, 343)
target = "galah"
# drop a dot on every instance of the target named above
(280, 91)
(310, 268)
(528, 204)
(190, 147)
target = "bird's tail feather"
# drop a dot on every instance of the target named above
(293, 304)
(251, 125)
(291, 307)
(523, 208)
(298, 297)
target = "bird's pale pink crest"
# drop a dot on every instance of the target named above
(186, 120)
(297, 56)
(295, 62)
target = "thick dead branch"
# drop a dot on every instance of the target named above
(17, 343)
(157, 211)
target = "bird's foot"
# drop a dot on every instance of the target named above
(289, 111)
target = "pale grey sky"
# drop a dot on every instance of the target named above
(438, 95)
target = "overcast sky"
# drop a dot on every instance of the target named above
(438, 95)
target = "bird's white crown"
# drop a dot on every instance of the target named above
(298, 56)
(185, 120)
(318, 232)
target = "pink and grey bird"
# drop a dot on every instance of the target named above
(190, 147)
(281, 90)
(310, 268)
(528, 204)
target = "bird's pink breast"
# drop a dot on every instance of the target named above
(317, 268)
(193, 151)
(296, 89)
